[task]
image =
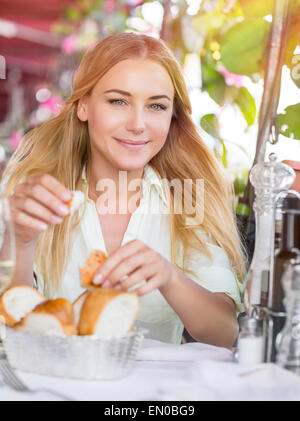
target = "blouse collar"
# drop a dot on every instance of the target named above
(151, 179)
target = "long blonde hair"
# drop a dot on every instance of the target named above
(183, 156)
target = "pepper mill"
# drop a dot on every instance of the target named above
(268, 179)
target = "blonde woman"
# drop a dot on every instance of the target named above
(130, 115)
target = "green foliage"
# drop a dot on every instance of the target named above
(255, 9)
(289, 122)
(213, 82)
(209, 123)
(73, 14)
(239, 185)
(246, 103)
(243, 46)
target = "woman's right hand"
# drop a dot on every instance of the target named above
(40, 201)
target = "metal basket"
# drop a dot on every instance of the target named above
(82, 357)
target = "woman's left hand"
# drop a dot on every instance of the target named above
(138, 262)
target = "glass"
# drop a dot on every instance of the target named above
(251, 341)
(288, 340)
(268, 179)
(7, 245)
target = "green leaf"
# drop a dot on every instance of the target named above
(243, 46)
(213, 82)
(210, 124)
(72, 13)
(224, 154)
(239, 185)
(209, 22)
(289, 122)
(245, 101)
(257, 8)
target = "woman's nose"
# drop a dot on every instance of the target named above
(136, 121)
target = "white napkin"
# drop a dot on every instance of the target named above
(153, 350)
(221, 381)
(11, 395)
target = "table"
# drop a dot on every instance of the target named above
(168, 372)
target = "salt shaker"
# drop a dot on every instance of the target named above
(251, 341)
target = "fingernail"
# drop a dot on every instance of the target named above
(118, 287)
(56, 220)
(98, 279)
(66, 195)
(106, 284)
(42, 226)
(64, 210)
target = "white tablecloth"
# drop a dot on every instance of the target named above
(189, 372)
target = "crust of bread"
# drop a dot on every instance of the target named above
(78, 299)
(93, 306)
(9, 319)
(69, 204)
(60, 308)
(94, 262)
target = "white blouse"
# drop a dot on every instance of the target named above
(153, 229)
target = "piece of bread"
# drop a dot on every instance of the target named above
(76, 201)
(53, 317)
(108, 312)
(96, 259)
(77, 305)
(17, 301)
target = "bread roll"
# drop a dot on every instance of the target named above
(76, 201)
(53, 317)
(94, 262)
(108, 312)
(77, 305)
(17, 301)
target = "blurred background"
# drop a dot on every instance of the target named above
(221, 44)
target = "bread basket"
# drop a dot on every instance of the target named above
(81, 357)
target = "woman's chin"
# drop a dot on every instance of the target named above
(131, 165)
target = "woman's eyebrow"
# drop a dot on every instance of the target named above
(129, 94)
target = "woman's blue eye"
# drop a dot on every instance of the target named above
(157, 107)
(161, 107)
(116, 101)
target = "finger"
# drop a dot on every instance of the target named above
(40, 194)
(142, 274)
(130, 264)
(116, 258)
(38, 211)
(107, 284)
(152, 284)
(53, 185)
(25, 220)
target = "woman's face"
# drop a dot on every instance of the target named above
(132, 103)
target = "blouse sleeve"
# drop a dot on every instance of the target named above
(215, 273)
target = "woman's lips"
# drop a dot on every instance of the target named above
(131, 146)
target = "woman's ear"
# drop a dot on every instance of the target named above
(82, 109)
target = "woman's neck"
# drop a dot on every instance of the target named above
(115, 182)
